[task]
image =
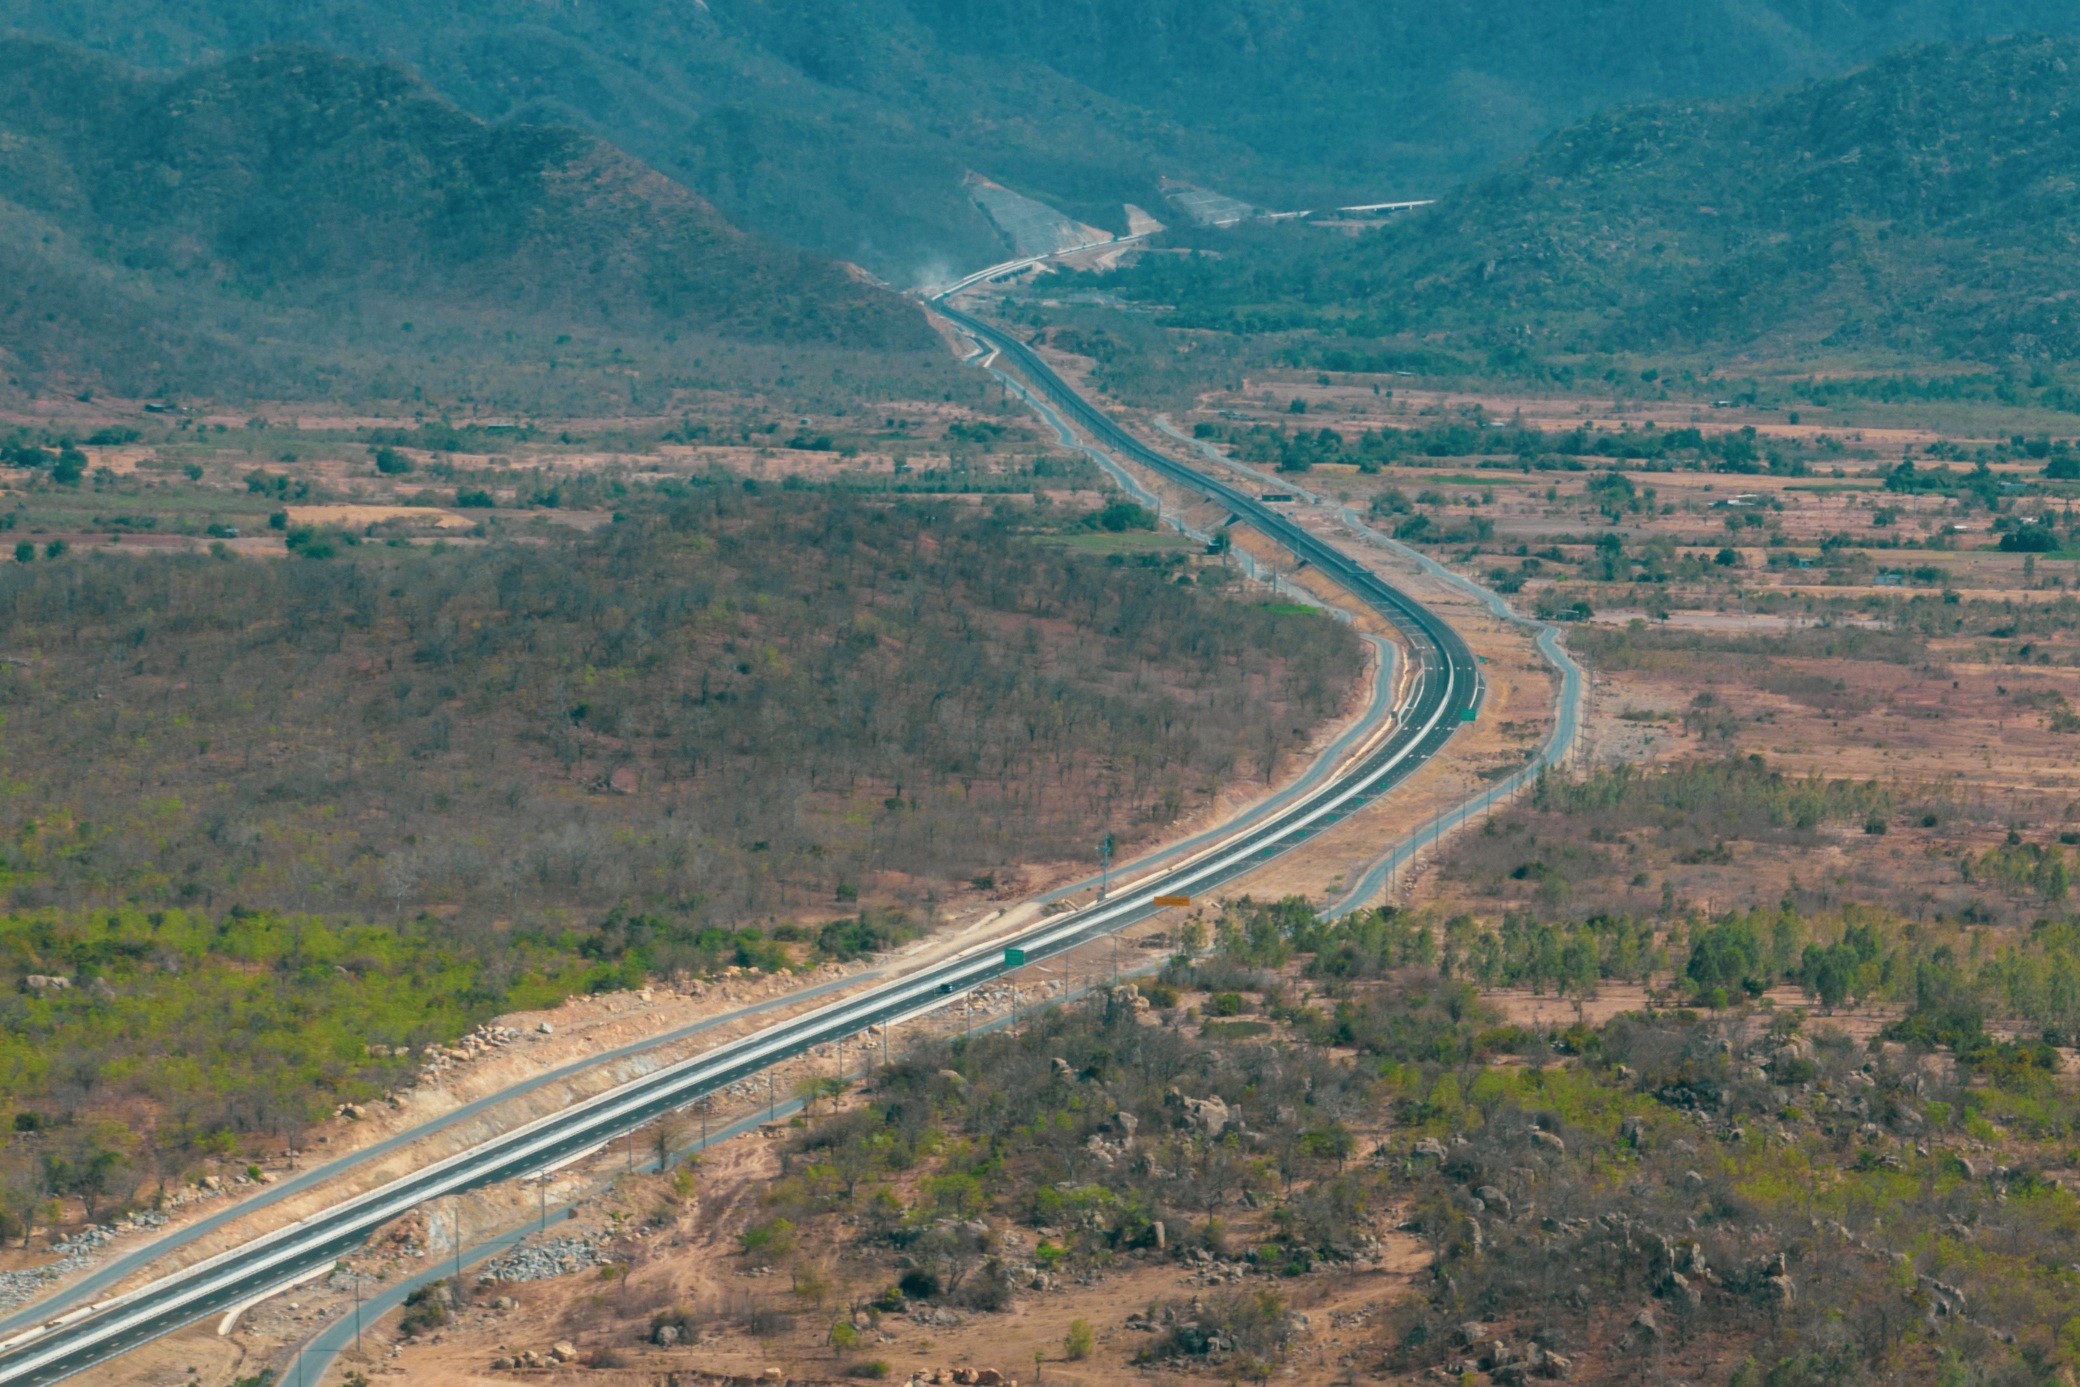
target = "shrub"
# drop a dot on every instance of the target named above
(423, 1309)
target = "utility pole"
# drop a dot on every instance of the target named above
(542, 1183)
(772, 1103)
(455, 1213)
(1104, 865)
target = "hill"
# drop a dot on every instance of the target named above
(205, 226)
(1923, 206)
(846, 127)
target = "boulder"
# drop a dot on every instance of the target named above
(564, 1352)
(1209, 1115)
(1546, 1139)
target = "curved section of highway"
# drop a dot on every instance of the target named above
(1438, 650)
(1445, 692)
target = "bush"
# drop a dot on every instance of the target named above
(1120, 516)
(773, 1238)
(1078, 1342)
(873, 1367)
(424, 1309)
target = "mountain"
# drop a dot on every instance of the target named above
(846, 126)
(1926, 205)
(190, 223)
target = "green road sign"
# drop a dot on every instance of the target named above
(1014, 958)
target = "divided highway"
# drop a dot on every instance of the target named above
(1446, 692)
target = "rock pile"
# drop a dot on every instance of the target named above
(538, 1261)
(75, 1254)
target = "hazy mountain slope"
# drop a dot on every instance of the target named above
(314, 193)
(845, 125)
(1925, 204)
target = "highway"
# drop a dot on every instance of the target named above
(1445, 692)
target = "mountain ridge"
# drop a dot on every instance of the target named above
(845, 125)
(314, 194)
(1919, 204)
